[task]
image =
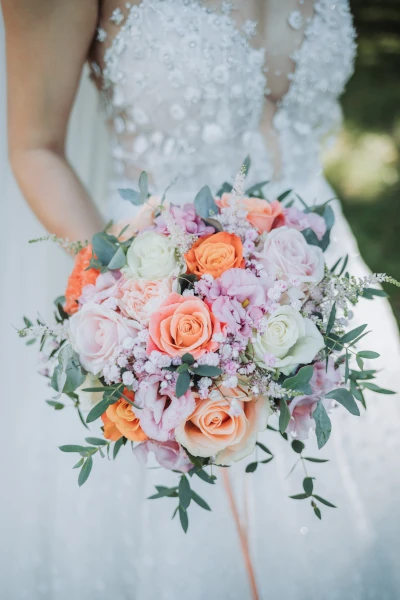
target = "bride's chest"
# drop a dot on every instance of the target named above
(179, 65)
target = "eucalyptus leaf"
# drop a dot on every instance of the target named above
(85, 471)
(368, 354)
(323, 425)
(185, 493)
(131, 196)
(352, 335)
(310, 237)
(118, 260)
(199, 500)
(206, 371)
(301, 381)
(251, 467)
(331, 320)
(375, 388)
(284, 416)
(96, 441)
(104, 247)
(182, 384)
(298, 446)
(204, 203)
(345, 398)
(183, 519)
(323, 501)
(308, 485)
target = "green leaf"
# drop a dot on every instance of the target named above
(188, 359)
(118, 260)
(357, 393)
(98, 410)
(315, 460)
(347, 368)
(299, 497)
(85, 471)
(284, 195)
(251, 467)
(256, 189)
(323, 425)
(308, 485)
(182, 384)
(342, 270)
(368, 354)
(183, 518)
(298, 446)
(185, 493)
(72, 448)
(55, 405)
(204, 203)
(226, 188)
(310, 237)
(117, 446)
(104, 247)
(182, 368)
(199, 500)
(206, 371)
(345, 398)
(246, 166)
(284, 415)
(360, 363)
(370, 293)
(143, 187)
(264, 448)
(131, 196)
(323, 501)
(164, 492)
(375, 388)
(331, 320)
(96, 441)
(79, 463)
(267, 460)
(352, 335)
(335, 266)
(205, 476)
(317, 512)
(300, 382)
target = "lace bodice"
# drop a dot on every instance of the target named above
(187, 91)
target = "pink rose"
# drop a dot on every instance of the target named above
(225, 426)
(297, 219)
(286, 254)
(162, 411)
(105, 287)
(169, 455)
(95, 332)
(138, 299)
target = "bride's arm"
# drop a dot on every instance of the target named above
(47, 43)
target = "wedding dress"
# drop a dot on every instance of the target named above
(188, 93)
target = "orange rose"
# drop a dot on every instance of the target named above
(120, 420)
(215, 254)
(263, 215)
(183, 324)
(225, 426)
(78, 279)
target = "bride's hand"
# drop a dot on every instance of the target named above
(47, 43)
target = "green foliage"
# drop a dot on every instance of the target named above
(204, 203)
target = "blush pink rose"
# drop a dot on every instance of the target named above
(95, 332)
(297, 219)
(263, 215)
(286, 254)
(224, 426)
(162, 411)
(169, 455)
(138, 299)
(105, 287)
(183, 324)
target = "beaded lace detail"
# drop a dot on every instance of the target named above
(184, 92)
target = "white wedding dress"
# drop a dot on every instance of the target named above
(188, 92)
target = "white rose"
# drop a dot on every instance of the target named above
(95, 332)
(291, 338)
(286, 254)
(87, 400)
(151, 256)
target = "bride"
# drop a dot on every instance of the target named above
(189, 88)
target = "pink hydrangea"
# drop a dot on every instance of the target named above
(185, 217)
(297, 219)
(169, 455)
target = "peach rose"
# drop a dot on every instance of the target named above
(224, 426)
(143, 220)
(215, 254)
(183, 324)
(120, 420)
(139, 298)
(263, 215)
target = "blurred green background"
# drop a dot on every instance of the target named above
(364, 166)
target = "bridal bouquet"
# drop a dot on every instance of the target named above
(184, 329)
